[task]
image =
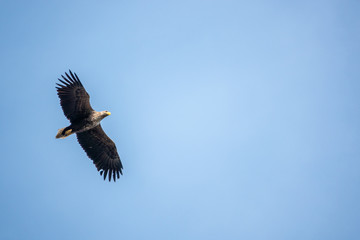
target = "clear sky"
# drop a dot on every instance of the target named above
(233, 119)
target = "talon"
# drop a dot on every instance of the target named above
(68, 132)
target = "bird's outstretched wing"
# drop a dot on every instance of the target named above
(74, 99)
(102, 150)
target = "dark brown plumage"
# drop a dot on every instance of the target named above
(85, 122)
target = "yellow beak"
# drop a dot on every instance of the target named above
(108, 113)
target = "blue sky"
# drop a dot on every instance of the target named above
(233, 119)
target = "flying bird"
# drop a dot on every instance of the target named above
(85, 122)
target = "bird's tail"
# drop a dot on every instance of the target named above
(64, 132)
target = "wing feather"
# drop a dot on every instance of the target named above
(102, 150)
(74, 99)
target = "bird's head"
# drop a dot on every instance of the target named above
(105, 113)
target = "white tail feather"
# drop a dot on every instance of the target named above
(60, 133)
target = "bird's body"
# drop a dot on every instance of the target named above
(82, 125)
(85, 122)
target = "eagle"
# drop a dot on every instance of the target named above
(85, 122)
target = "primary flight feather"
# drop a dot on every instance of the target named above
(85, 122)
